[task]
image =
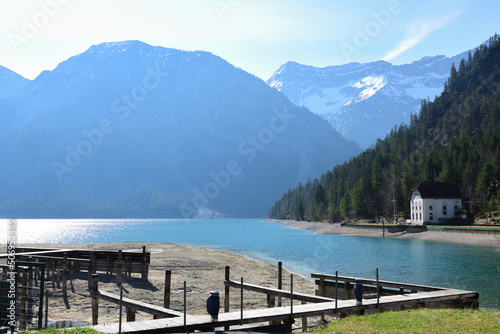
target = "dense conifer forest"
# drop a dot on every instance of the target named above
(455, 138)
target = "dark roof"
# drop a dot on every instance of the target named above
(437, 190)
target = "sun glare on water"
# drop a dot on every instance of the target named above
(56, 231)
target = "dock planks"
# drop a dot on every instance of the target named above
(283, 313)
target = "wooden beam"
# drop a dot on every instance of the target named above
(37, 253)
(387, 284)
(277, 292)
(136, 305)
(45, 257)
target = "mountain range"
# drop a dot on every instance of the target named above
(454, 139)
(364, 102)
(131, 130)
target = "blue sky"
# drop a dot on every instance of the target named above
(255, 35)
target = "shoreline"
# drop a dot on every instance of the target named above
(487, 240)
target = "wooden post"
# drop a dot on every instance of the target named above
(336, 290)
(241, 302)
(129, 266)
(94, 262)
(322, 286)
(58, 274)
(144, 269)
(37, 274)
(119, 268)
(291, 298)
(95, 301)
(271, 302)
(226, 294)
(130, 314)
(22, 308)
(378, 292)
(53, 273)
(226, 290)
(322, 292)
(112, 264)
(304, 322)
(90, 270)
(30, 280)
(65, 272)
(166, 293)
(109, 266)
(280, 280)
(71, 270)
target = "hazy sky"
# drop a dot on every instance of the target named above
(255, 35)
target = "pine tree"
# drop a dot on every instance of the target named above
(452, 81)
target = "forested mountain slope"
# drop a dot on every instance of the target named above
(456, 138)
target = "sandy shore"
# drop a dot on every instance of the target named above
(201, 268)
(490, 240)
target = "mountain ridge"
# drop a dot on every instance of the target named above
(126, 129)
(364, 101)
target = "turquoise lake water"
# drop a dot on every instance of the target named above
(440, 264)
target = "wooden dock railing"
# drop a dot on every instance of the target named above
(61, 262)
(326, 286)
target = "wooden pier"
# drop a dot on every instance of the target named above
(390, 296)
(286, 313)
(62, 262)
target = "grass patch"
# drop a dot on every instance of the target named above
(420, 321)
(77, 330)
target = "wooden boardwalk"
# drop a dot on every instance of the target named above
(203, 322)
(138, 306)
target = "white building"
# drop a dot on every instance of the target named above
(435, 202)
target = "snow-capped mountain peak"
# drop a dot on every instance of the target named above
(364, 101)
(369, 86)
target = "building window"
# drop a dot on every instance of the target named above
(412, 216)
(420, 215)
(444, 210)
(431, 216)
(430, 207)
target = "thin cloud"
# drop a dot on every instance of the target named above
(417, 32)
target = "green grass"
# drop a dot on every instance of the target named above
(77, 330)
(420, 321)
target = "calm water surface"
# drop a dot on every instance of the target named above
(411, 261)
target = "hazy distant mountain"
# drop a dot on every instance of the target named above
(132, 130)
(10, 82)
(364, 101)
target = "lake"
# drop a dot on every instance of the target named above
(440, 264)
